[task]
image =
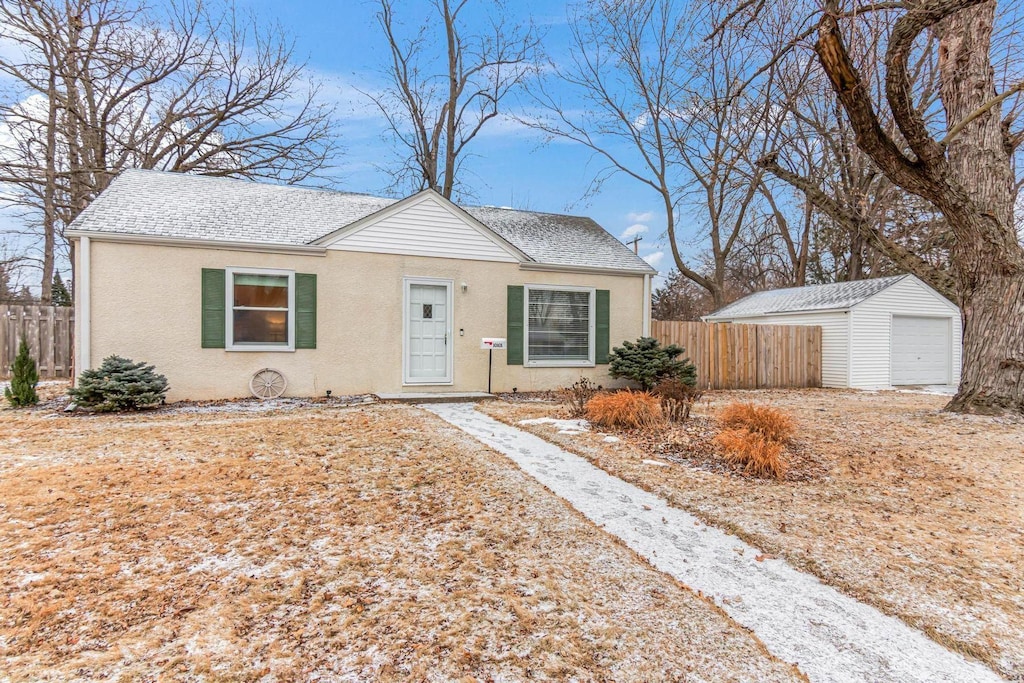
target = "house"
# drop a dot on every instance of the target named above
(889, 331)
(214, 279)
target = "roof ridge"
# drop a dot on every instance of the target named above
(248, 181)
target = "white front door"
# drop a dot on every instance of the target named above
(428, 329)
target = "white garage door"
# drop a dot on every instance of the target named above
(920, 350)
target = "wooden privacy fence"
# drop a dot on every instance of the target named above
(730, 356)
(49, 331)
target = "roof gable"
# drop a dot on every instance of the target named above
(425, 224)
(908, 286)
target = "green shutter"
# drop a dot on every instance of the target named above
(602, 328)
(213, 308)
(305, 311)
(514, 352)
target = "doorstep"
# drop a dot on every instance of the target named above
(435, 397)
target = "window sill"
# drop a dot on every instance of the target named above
(260, 349)
(560, 364)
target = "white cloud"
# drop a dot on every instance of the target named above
(634, 230)
(654, 258)
(639, 216)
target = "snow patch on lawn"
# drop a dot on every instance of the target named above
(563, 426)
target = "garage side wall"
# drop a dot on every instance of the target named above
(872, 330)
(834, 339)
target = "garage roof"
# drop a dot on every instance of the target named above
(830, 297)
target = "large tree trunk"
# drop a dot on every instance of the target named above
(988, 260)
(968, 176)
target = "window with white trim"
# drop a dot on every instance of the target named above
(261, 310)
(559, 325)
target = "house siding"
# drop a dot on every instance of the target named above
(834, 339)
(872, 330)
(424, 228)
(147, 305)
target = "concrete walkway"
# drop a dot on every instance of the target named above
(830, 636)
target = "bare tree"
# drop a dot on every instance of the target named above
(104, 85)
(672, 116)
(841, 182)
(962, 164)
(436, 105)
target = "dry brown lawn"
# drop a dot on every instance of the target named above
(918, 512)
(366, 543)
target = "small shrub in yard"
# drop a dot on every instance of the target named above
(24, 379)
(771, 423)
(756, 454)
(754, 438)
(624, 410)
(646, 362)
(119, 384)
(677, 398)
(576, 396)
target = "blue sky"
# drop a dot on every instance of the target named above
(511, 166)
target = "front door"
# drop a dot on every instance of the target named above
(427, 329)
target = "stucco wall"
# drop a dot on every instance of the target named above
(146, 305)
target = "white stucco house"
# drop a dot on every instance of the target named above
(213, 280)
(891, 331)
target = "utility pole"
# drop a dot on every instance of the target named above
(636, 244)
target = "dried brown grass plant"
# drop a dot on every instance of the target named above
(625, 410)
(770, 423)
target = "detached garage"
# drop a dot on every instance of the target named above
(892, 331)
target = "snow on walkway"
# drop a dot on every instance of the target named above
(830, 636)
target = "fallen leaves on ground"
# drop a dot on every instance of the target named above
(363, 543)
(916, 511)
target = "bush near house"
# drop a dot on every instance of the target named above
(624, 410)
(119, 384)
(24, 379)
(677, 398)
(647, 362)
(576, 396)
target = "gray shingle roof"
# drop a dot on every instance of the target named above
(839, 295)
(176, 205)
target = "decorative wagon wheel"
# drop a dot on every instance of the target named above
(267, 383)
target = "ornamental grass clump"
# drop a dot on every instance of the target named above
(625, 410)
(754, 438)
(119, 384)
(771, 423)
(24, 379)
(753, 453)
